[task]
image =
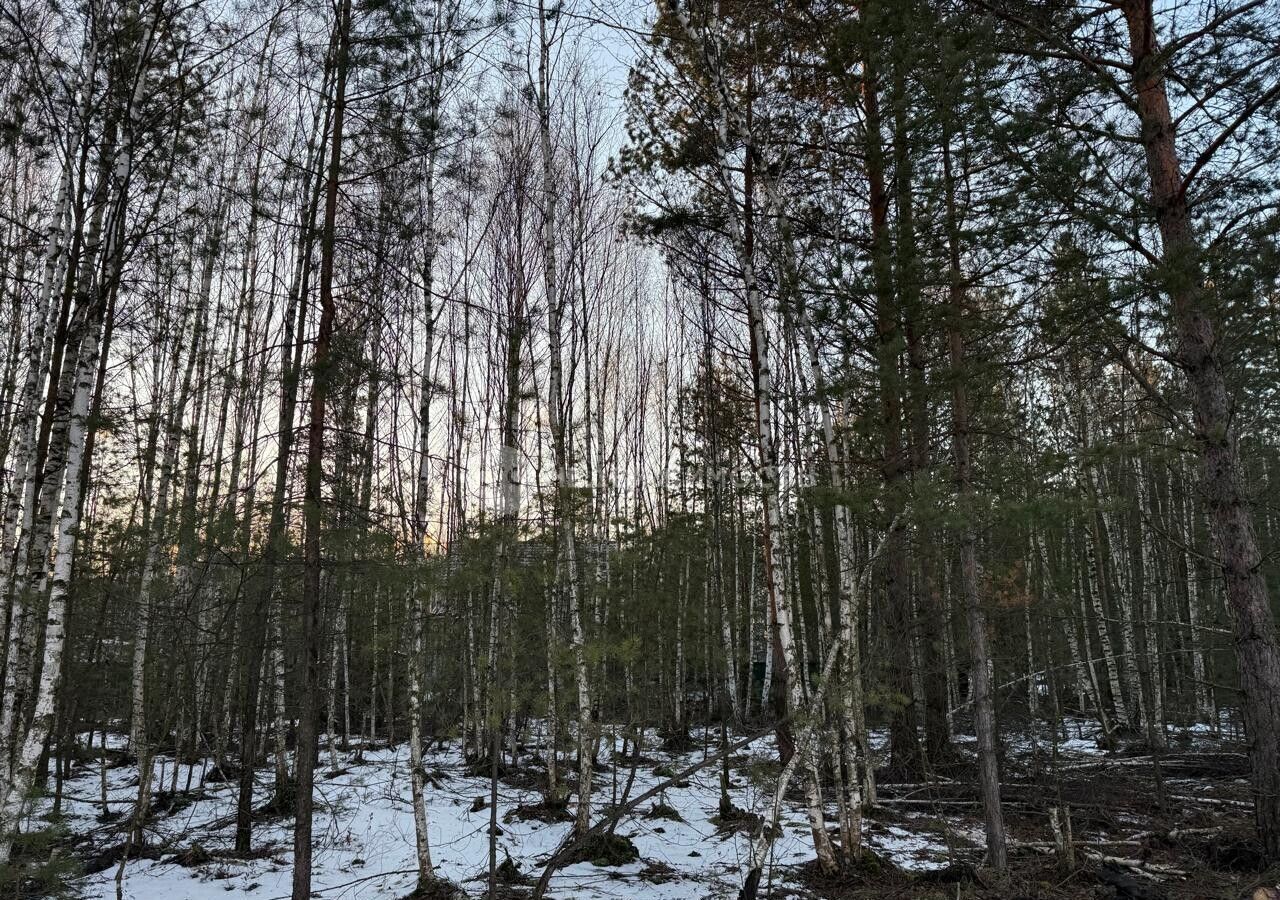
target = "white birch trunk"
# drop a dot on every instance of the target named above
(1095, 586)
(1095, 685)
(1203, 697)
(1153, 710)
(730, 126)
(553, 699)
(555, 416)
(422, 845)
(1124, 602)
(1073, 644)
(277, 692)
(331, 724)
(422, 488)
(21, 487)
(13, 801)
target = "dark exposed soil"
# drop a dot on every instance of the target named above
(1193, 840)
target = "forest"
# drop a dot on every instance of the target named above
(659, 449)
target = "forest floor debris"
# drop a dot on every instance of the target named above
(924, 839)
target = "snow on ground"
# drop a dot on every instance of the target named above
(363, 833)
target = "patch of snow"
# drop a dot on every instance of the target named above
(364, 836)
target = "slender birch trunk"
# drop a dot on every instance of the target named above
(422, 491)
(1205, 708)
(1095, 586)
(1148, 604)
(26, 425)
(732, 126)
(1107, 540)
(559, 438)
(13, 802)
(153, 562)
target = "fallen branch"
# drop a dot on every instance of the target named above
(1213, 801)
(572, 843)
(1154, 871)
(1177, 833)
(1151, 870)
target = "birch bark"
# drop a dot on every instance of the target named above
(732, 126)
(555, 417)
(12, 803)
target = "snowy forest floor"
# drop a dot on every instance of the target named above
(927, 838)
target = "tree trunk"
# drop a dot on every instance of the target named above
(555, 417)
(1231, 521)
(19, 785)
(312, 600)
(983, 691)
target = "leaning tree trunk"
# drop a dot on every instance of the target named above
(255, 611)
(1196, 351)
